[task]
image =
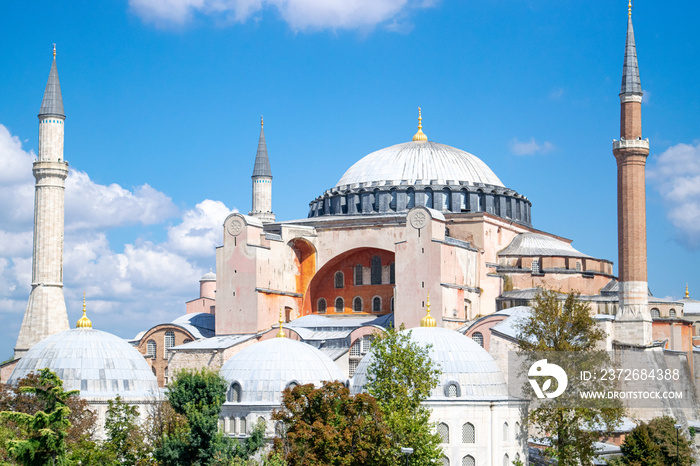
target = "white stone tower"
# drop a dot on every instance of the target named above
(633, 321)
(262, 182)
(46, 311)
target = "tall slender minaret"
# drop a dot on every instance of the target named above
(262, 182)
(633, 321)
(46, 310)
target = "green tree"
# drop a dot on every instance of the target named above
(400, 377)
(125, 437)
(327, 426)
(565, 334)
(43, 434)
(197, 396)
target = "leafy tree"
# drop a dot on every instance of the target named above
(327, 426)
(197, 396)
(42, 439)
(564, 333)
(125, 437)
(400, 376)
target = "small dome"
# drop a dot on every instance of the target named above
(266, 368)
(464, 364)
(208, 277)
(97, 363)
(536, 244)
(419, 160)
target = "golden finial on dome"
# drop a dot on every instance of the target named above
(280, 333)
(420, 136)
(428, 320)
(83, 322)
(54, 51)
(687, 295)
(629, 8)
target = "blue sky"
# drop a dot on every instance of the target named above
(163, 99)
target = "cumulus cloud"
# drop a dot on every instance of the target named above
(675, 174)
(130, 285)
(530, 147)
(301, 15)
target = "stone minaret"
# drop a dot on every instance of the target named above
(262, 182)
(46, 311)
(633, 321)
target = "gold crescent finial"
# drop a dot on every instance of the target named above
(54, 50)
(261, 121)
(83, 322)
(428, 320)
(629, 8)
(420, 136)
(280, 333)
(687, 295)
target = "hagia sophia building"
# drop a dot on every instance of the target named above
(418, 234)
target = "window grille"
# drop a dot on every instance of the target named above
(377, 304)
(357, 304)
(169, 341)
(366, 344)
(355, 349)
(536, 266)
(234, 393)
(444, 432)
(479, 338)
(339, 305)
(468, 461)
(376, 272)
(339, 280)
(242, 426)
(452, 390)
(444, 461)
(468, 435)
(352, 366)
(655, 314)
(578, 266)
(321, 306)
(358, 274)
(151, 349)
(672, 313)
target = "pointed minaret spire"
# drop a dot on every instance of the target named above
(631, 84)
(262, 181)
(52, 105)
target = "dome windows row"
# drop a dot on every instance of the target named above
(456, 199)
(357, 305)
(469, 432)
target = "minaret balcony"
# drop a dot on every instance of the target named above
(631, 144)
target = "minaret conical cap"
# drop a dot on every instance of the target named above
(262, 161)
(52, 104)
(630, 70)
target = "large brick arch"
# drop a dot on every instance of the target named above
(322, 285)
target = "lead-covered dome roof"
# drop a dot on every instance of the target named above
(97, 363)
(263, 370)
(466, 366)
(419, 161)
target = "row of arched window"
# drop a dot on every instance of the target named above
(375, 275)
(357, 305)
(656, 314)
(235, 391)
(469, 460)
(469, 433)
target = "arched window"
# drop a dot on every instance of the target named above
(447, 199)
(392, 273)
(505, 431)
(357, 304)
(339, 280)
(410, 198)
(452, 390)
(169, 341)
(358, 274)
(536, 266)
(279, 429)
(339, 305)
(518, 434)
(242, 427)
(375, 200)
(392, 201)
(443, 431)
(376, 272)
(468, 435)
(468, 461)
(479, 338)
(655, 314)
(517, 457)
(464, 200)
(376, 304)
(234, 393)
(578, 266)
(292, 385)
(165, 376)
(672, 313)
(151, 349)
(429, 198)
(506, 460)
(321, 306)
(444, 461)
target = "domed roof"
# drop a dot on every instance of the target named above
(97, 363)
(266, 368)
(536, 244)
(462, 361)
(419, 160)
(208, 277)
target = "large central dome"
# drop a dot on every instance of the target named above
(420, 161)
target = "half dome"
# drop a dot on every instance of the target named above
(263, 370)
(421, 162)
(97, 363)
(465, 365)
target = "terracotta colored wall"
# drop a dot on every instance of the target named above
(200, 305)
(160, 362)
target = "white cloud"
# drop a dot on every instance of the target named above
(646, 97)
(530, 147)
(675, 174)
(201, 229)
(301, 15)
